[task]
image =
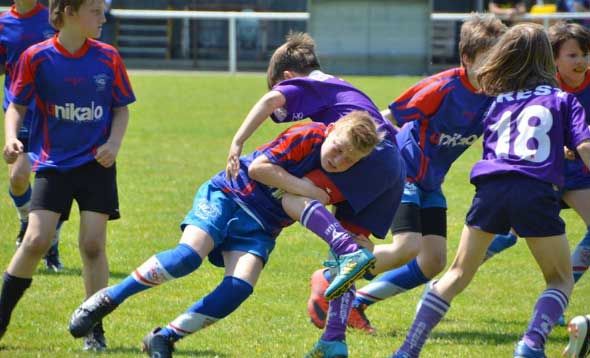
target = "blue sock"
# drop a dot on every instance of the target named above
(391, 283)
(499, 244)
(222, 301)
(162, 267)
(581, 256)
(22, 204)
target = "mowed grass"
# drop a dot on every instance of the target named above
(179, 132)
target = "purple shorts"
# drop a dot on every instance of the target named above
(528, 205)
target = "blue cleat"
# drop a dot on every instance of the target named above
(350, 267)
(328, 349)
(522, 350)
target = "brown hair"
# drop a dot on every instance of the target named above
(479, 32)
(360, 129)
(562, 31)
(57, 9)
(522, 59)
(296, 54)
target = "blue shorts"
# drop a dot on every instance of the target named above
(422, 198)
(528, 205)
(231, 228)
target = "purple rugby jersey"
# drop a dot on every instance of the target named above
(525, 133)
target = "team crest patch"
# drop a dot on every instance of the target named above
(206, 210)
(100, 81)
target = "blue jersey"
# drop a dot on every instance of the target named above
(577, 175)
(325, 98)
(441, 117)
(17, 33)
(525, 133)
(74, 96)
(297, 150)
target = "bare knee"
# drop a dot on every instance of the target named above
(36, 244)
(92, 247)
(432, 263)
(19, 182)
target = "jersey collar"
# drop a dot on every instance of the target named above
(465, 80)
(64, 52)
(564, 86)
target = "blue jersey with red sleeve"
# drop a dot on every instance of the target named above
(74, 96)
(297, 150)
(441, 116)
(525, 132)
(325, 98)
(577, 175)
(17, 33)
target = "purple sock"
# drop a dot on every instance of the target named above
(320, 221)
(430, 313)
(338, 317)
(548, 309)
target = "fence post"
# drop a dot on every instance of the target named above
(232, 43)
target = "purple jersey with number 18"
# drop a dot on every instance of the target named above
(525, 133)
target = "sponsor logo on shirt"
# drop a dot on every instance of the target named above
(452, 139)
(70, 112)
(298, 116)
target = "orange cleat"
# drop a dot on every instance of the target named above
(317, 305)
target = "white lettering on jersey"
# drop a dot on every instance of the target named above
(453, 140)
(542, 90)
(70, 112)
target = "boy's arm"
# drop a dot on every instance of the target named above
(267, 173)
(584, 152)
(13, 119)
(106, 154)
(260, 112)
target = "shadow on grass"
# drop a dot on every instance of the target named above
(67, 271)
(177, 352)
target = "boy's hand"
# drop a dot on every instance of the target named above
(233, 161)
(569, 154)
(12, 149)
(106, 154)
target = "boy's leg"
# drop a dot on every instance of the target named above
(242, 271)
(20, 191)
(18, 275)
(579, 200)
(185, 258)
(436, 303)
(553, 257)
(92, 243)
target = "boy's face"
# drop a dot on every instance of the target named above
(90, 17)
(571, 61)
(338, 154)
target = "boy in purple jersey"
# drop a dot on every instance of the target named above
(525, 129)
(235, 223)
(81, 91)
(441, 116)
(25, 24)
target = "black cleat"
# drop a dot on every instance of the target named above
(156, 345)
(90, 312)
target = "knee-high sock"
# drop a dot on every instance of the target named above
(320, 221)
(581, 256)
(391, 283)
(499, 244)
(548, 309)
(222, 301)
(13, 288)
(429, 315)
(158, 269)
(338, 317)
(22, 203)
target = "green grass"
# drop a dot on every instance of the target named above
(178, 137)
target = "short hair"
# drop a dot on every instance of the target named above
(479, 32)
(57, 8)
(563, 31)
(522, 59)
(360, 129)
(296, 54)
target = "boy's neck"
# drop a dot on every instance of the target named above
(24, 6)
(71, 40)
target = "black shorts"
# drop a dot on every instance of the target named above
(427, 221)
(93, 186)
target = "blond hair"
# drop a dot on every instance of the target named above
(562, 31)
(360, 130)
(296, 54)
(57, 10)
(522, 59)
(479, 33)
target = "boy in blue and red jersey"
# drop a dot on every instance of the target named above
(440, 117)
(25, 24)
(80, 91)
(525, 130)
(235, 221)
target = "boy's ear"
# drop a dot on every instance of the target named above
(287, 75)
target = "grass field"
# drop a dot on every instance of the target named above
(178, 137)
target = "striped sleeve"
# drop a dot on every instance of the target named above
(295, 143)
